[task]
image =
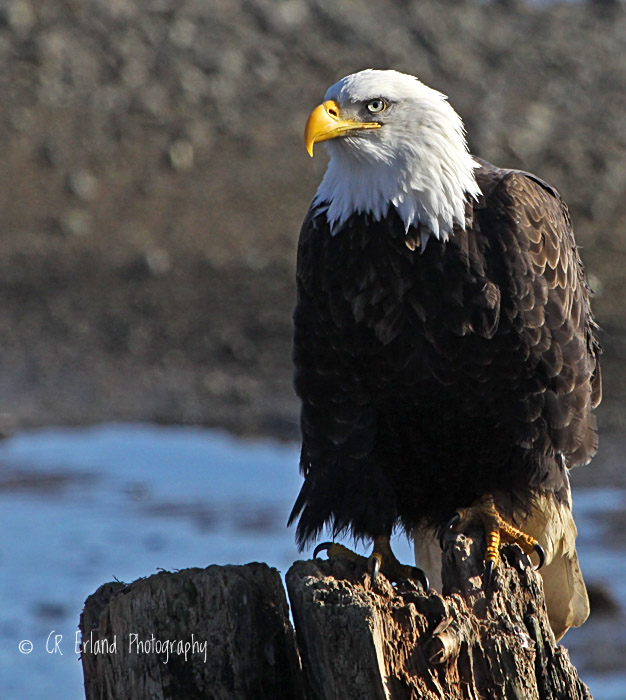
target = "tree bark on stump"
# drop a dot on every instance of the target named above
(357, 639)
(239, 611)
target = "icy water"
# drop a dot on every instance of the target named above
(80, 507)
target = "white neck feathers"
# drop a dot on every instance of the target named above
(418, 162)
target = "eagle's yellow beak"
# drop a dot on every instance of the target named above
(325, 123)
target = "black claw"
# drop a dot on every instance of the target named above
(321, 547)
(541, 554)
(488, 573)
(448, 525)
(422, 578)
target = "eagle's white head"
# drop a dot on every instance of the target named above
(392, 141)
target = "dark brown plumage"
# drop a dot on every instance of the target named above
(444, 347)
(429, 377)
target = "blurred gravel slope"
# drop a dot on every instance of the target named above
(153, 181)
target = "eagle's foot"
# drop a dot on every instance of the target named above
(497, 531)
(381, 560)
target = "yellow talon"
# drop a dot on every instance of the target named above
(497, 531)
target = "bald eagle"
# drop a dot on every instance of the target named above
(445, 352)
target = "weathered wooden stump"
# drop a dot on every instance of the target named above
(356, 639)
(389, 642)
(237, 616)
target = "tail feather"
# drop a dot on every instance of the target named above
(553, 525)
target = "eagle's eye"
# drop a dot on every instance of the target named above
(377, 105)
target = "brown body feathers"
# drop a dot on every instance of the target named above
(431, 375)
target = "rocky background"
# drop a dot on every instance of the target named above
(153, 179)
